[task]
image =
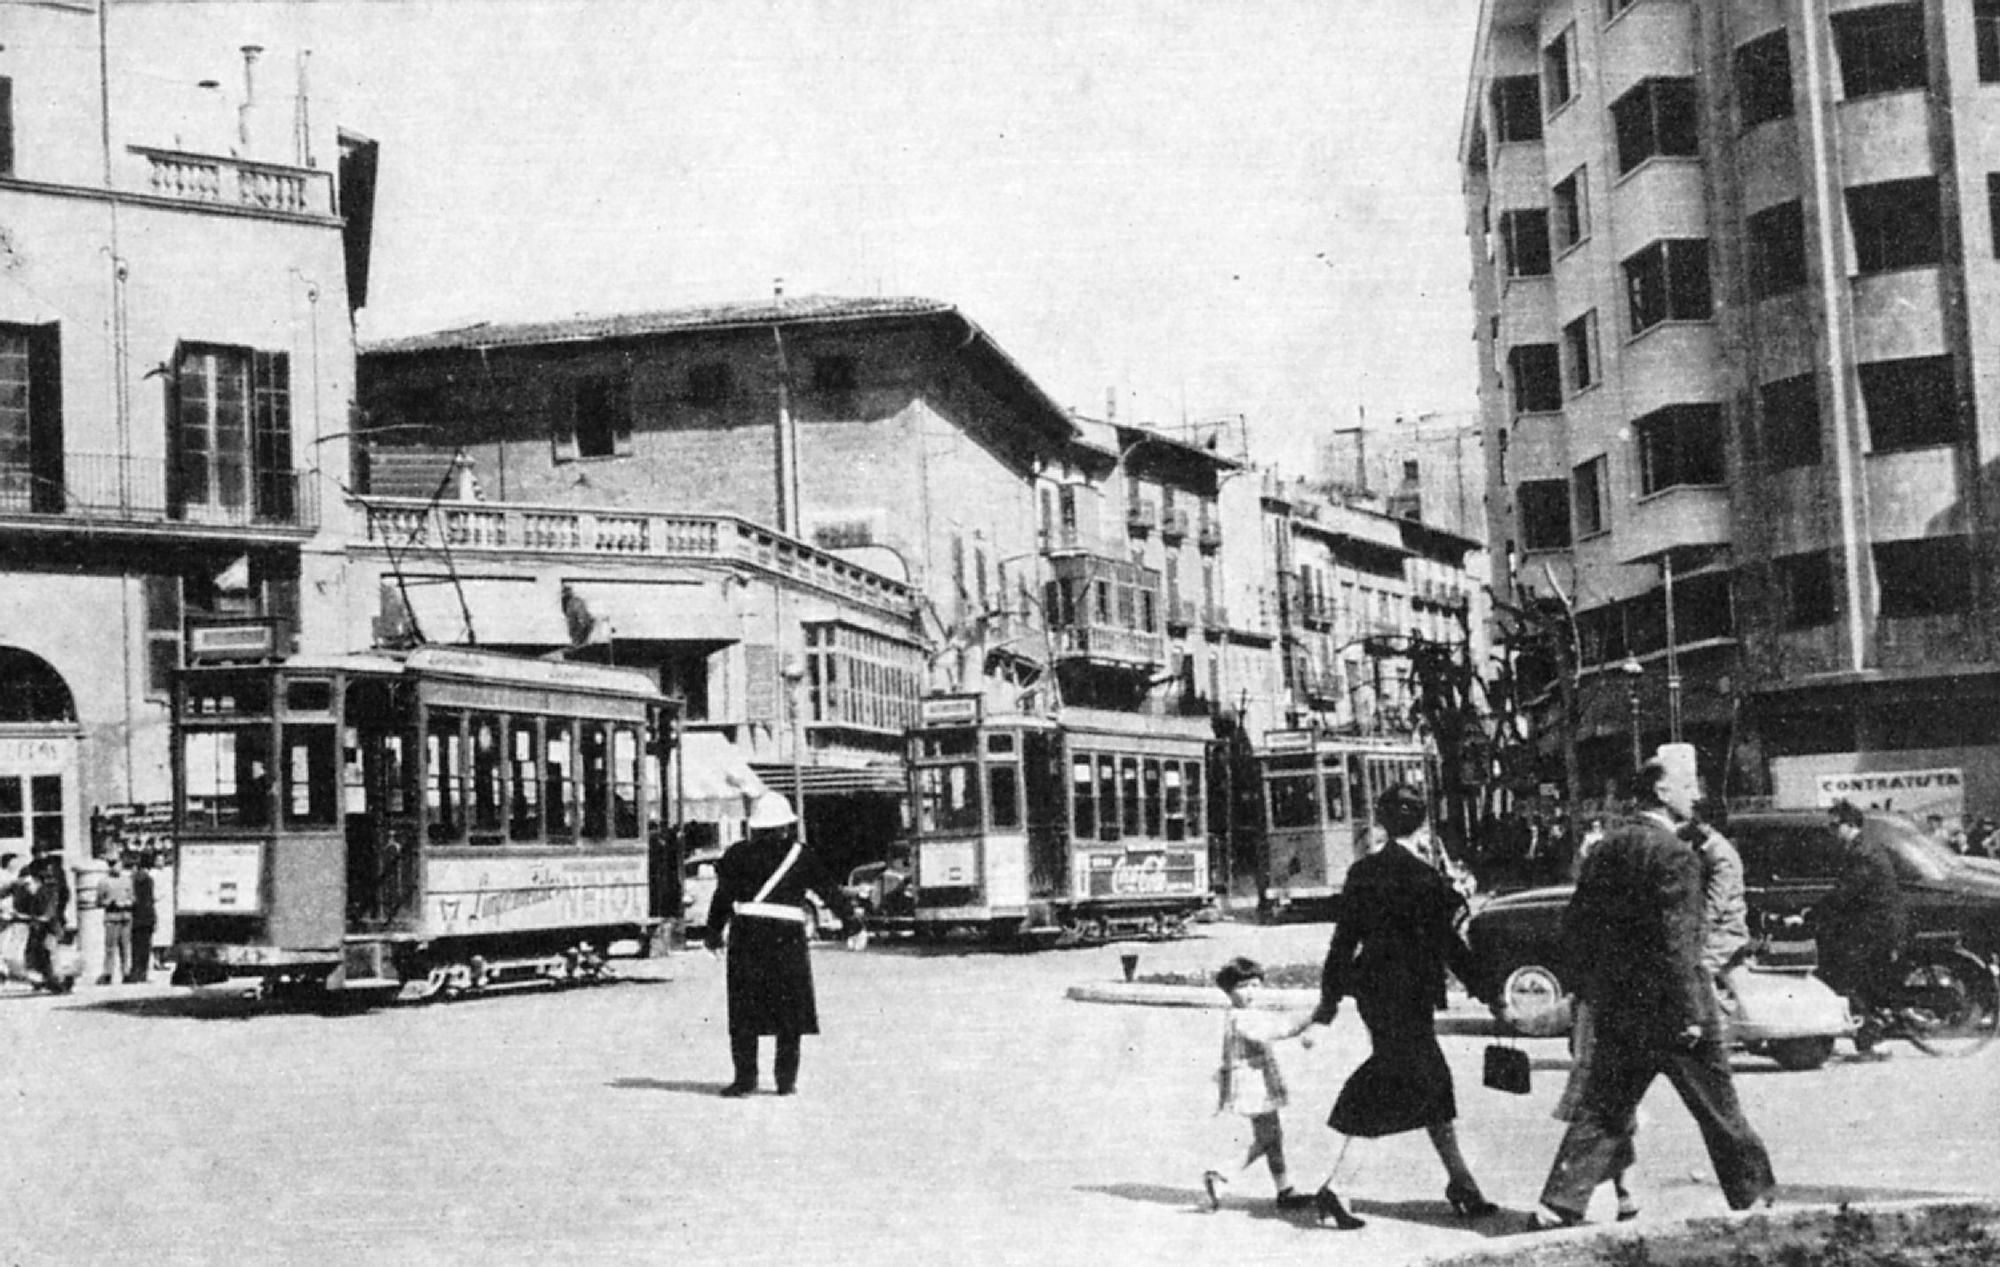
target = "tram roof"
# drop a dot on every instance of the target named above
(471, 664)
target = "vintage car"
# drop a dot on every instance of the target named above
(1790, 860)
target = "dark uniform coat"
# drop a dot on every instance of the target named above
(1396, 936)
(769, 967)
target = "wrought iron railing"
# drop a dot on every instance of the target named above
(119, 488)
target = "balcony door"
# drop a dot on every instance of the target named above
(31, 448)
(232, 435)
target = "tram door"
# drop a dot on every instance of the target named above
(381, 807)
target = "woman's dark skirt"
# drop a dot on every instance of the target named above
(1405, 1084)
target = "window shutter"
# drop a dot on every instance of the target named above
(271, 435)
(6, 126)
(176, 478)
(621, 426)
(45, 420)
(562, 417)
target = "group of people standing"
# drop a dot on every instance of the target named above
(36, 933)
(1657, 926)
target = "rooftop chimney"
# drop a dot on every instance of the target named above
(243, 129)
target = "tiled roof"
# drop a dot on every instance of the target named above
(791, 309)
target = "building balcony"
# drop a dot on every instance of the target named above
(1180, 613)
(120, 494)
(1141, 516)
(515, 529)
(1110, 645)
(1208, 535)
(1214, 617)
(232, 183)
(1683, 516)
(1173, 524)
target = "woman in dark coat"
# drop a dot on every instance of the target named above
(769, 962)
(1397, 934)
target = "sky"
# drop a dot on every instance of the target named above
(1213, 208)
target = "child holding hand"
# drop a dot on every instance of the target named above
(1249, 1082)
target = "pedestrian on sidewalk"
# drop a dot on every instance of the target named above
(1250, 1083)
(114, 895)
(1636, 927)
(13, 920)
(44, 886)
(1397, 935)
(758, 912)
(145, 916)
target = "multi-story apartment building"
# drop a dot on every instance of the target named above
(176, 375)
(1735, 273)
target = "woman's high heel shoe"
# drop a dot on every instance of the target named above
(1628, 1209)
(1468, 1202)
(1330, 1210)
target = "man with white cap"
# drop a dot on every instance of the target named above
(760, 893)
(1635, 928)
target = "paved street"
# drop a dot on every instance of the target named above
(959, 1109)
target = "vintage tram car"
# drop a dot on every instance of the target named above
(1319, 793)
(440, 819)
(1084, 824)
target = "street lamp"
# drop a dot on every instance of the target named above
(1633, 671)
(795, 675)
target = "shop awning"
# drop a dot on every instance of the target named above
(714, 781)
(884, 779)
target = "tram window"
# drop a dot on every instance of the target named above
(314, 695)
(353, 774)
(399, 772)
(1357, 791)
(486, 790)
(1083, 797)
(1155, 825)
(561, 768)
(1336, 793)
(444, 782)
(1003, 789)
(1107, 798)
(948, 798)
(524, 784)
(1176, 803)
(625, 782)
(1292, 801)
(1000, 743)
(210, 696)
(596, 760)
(229, 777)
(1195, 807)
(952, 743)
(1128, 800)
(309, 775)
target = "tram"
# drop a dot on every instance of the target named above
(1319, 793)
(439, 820)
(1087, 824)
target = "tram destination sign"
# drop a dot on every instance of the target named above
(949, 710)
(222, 642)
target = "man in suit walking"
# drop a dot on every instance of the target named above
(1636, 926)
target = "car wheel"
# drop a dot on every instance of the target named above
(1800, 1054)
(1536, 1002)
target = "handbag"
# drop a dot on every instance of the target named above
(1507, 1069)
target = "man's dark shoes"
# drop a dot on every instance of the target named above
(737, 1090)
(787, 1088)
(1293, 1199)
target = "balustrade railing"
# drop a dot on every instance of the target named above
(515, 528)
(233, 182)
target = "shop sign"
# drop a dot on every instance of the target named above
(39, 754)
(1918, 793)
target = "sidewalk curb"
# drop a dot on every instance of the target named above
(1466, 1022)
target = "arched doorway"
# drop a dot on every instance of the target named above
(38, 757)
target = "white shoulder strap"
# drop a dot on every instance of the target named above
(784, 866)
